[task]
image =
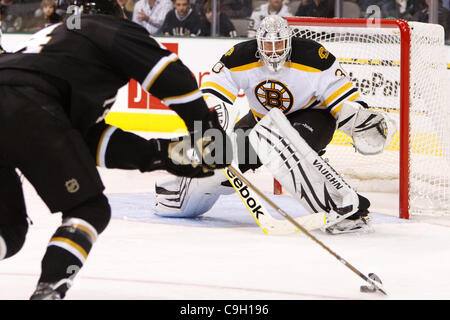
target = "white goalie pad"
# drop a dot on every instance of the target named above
(299, 169)
(191, 197)
(372, 131)
(181, 197)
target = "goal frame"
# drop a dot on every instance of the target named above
(405, 67)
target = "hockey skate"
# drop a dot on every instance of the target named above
(358, 222)
(51, 291)
(340, 222)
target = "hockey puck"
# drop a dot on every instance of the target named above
(367, 289)
(372, 288)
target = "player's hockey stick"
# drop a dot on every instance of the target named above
(264, 219)
(375, 285)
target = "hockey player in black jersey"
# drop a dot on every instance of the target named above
(55, 93)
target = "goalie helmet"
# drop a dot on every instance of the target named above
(274, 41)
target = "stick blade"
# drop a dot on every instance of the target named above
(375, 285)
(281, 227)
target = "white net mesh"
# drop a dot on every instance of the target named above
(371, 58)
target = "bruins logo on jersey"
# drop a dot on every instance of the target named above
(274, 94)
(323, 53)
(229, 52)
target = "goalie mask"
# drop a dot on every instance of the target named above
(274, 41)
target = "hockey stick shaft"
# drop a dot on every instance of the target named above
(306, 232)
(262, 216)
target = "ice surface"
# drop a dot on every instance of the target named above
(225, 255)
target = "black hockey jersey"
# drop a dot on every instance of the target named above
(90, 63)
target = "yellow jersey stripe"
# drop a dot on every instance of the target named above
(219, 88)
(336, 110)
(248, 66)
(72, 244)
(92, 236)
(300, 67)
(337, 93)
(256, 114)
(99, 145)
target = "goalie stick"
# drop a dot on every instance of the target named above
(228, 116)
(264, 219)
(372, 280)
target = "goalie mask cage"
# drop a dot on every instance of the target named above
(398, 67)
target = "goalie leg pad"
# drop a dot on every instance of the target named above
(181, 197)
(308, 177)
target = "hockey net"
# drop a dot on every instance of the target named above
(399, 67)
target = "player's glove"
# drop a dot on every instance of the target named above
(162, 160)
(198, 154)
(211, 144)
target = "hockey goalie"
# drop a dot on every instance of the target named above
(298, 96)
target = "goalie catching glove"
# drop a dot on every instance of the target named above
(198, 154)
(372, 131)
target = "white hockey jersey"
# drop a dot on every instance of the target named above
(311, 79)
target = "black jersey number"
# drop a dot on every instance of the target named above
(38, 40)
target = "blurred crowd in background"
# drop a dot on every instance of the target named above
(235, 18)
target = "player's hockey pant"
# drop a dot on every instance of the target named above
(37, 138)
(13, 216)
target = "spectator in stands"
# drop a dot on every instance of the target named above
(422, 15)
(130, 5)
(271, 7)
(234, 9)
(403, 9)
(446, 4)
(48, 8)
(151, 14)
(316, 8)
(182, 20)
(45, 15)
(62, 6)
(226, 27)
(364, 4)
(123, 5)
(4, 5)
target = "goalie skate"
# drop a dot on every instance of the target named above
(359, 222)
